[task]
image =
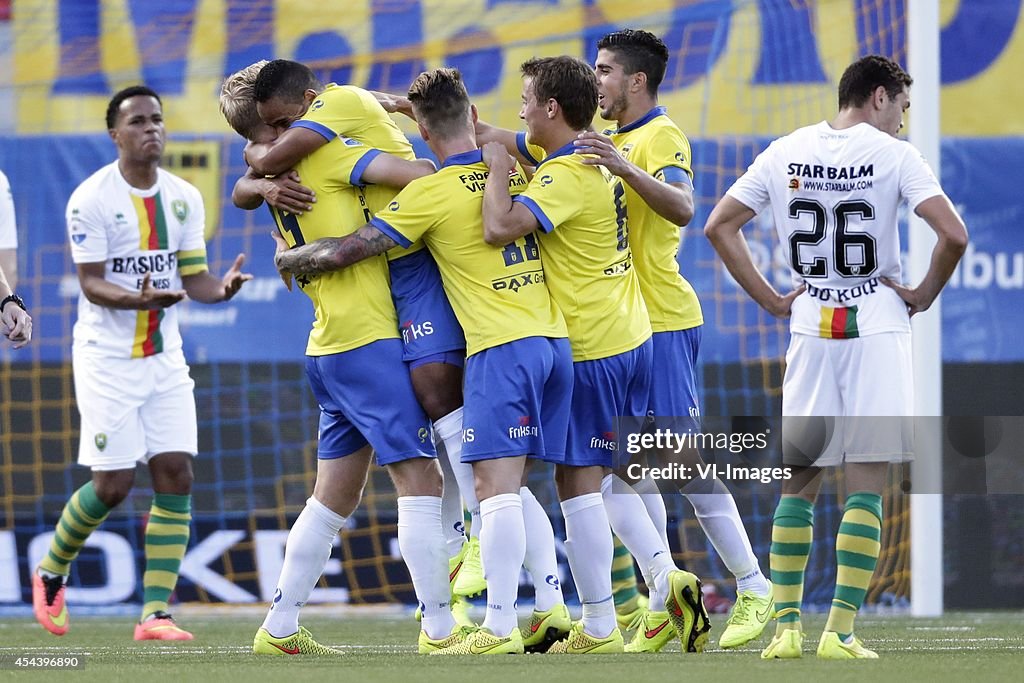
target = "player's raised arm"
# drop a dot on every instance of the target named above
(724, 229)
(208, 289)
(290, 147)
(504, 220)
(670, 199)
(285, 192)
(100, 291)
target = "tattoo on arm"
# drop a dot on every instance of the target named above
(334, 253)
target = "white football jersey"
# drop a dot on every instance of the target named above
(834, 197)
(8, 227)
(158, 231)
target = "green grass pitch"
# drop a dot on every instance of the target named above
(960, 646)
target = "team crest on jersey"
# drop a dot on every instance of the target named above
(100, 440)
(180, 210)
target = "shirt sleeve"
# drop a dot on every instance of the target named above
(409, 216)
(532, 153)
(8, 225)
(192, 253)
(668, 157)
(86, 228)
(751, 189)
(349, 162)
(917, 181)
(553, 194)
(337, 111)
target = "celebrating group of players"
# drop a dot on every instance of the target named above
(514, 303)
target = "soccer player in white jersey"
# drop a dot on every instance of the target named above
(834, 189)
(136, 235)
(15, 322)
(652, 156)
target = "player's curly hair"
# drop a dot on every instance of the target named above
(114, 106)
(238, 99)
(570, 82)
(440, 101)
(285, 79)
(638, 52)
(865, 75)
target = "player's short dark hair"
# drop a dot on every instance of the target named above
(862, 77)
(440, 101)
(285, 79)
(570, 82)
(114, 106)
(638, 51)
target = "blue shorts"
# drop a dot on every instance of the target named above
(517, 400)
(603, 391)
(674, 380)
(366, 397)
(425, 318)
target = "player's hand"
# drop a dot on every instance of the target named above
(287, 193)
(151, 298)
(603, 150)
(916, 301)
(17, 324)
(394, 104)
(783, 307)
(496, 157)
(235, 278)
(281, 247)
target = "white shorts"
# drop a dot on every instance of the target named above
(861, 392)
(133, 408)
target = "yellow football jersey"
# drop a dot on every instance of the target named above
(498, 293)
(352, 112)
(353, 306)
(655, 144)
(585, 246)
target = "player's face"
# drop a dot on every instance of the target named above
(139, 129)
(612, 85)
(262, 133)
(278, 113)
(532, 113)
(892, 112)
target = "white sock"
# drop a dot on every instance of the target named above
(449, 429)
(716, 511)
(422, 545)
(305, 554)
(502, 549)
(655, 504)
(540, 553)
(631, 523)
(452, 521)
(588, 543)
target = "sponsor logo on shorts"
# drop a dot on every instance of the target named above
(412, 331)
(468, 435)
(523, 429)
(100, 440)
(607, 441)
(423, 434)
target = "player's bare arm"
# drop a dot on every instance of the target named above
(952, 233)
(394, 104)
(291, 146)
(100, 291)
(724, 229)
(209, 289)
(672, 201)
(504, 220)
(387, 169)
(9, 266)
(285, 192)
(329, 253)
(485, 133)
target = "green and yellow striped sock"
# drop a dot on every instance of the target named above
(166, 540)
(624, 591)
(792, 532)
(82, 514)
(857, 548)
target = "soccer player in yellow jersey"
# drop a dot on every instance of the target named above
(652, 156)
(289, 96)
(355, 369)
(584, 242)
(518, 370)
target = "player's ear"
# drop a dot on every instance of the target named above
(473, 115)
(423, 132)
(879, 96)
(552, 108)
(639, 81)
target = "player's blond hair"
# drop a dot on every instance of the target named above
(238, 101)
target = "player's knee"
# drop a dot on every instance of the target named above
(172, 473)
(113, 487)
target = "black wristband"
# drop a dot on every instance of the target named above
(13, 299)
